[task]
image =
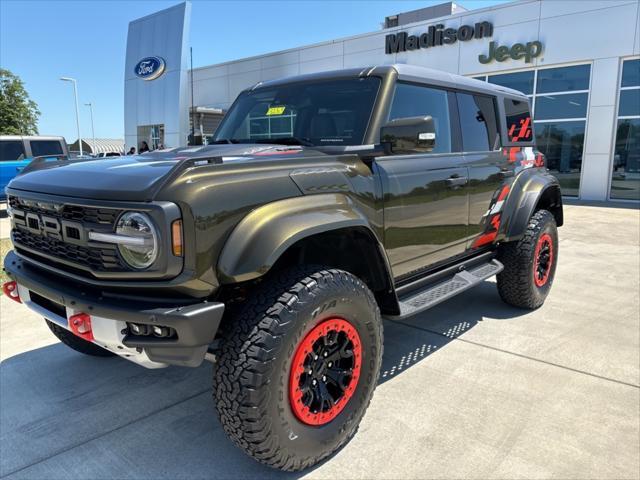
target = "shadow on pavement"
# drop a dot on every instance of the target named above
(409, 341)
(106, 418)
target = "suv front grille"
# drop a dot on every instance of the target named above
(97, 259)
(52, 250)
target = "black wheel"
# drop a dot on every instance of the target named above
(530, 263)
(298, 366)
(77, 343)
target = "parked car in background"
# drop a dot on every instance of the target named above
(17, 151)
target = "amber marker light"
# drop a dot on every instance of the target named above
(176, 238)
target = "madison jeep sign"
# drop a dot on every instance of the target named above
(150, 68)
(438, 35)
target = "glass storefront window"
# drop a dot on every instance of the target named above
(625, 174)
(521, 81)
(562, 144)
(629, 103)
(573, 105)
(563, 79)
(625, 180)
(631, 73)
(560, 121)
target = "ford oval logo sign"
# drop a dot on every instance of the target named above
(150, 68)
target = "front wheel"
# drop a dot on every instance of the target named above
(530, 263)
(298, 366)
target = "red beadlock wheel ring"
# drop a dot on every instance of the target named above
(325, 371)
(542, 260)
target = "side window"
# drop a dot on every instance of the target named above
(414, 100)
(518, 120)
(45, 147)
(11, 150)
(478, 122)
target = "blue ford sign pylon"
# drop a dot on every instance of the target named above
(150, 68)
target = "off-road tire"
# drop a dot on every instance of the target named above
(77, 343)
(516, 283)
(251, 381)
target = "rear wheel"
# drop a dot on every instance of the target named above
(530, 263)
(77, 343)
(298, 366)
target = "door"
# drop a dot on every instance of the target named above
(425, 195)
(488, 167)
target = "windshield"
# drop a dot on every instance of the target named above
(333, 112)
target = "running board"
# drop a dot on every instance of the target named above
(421, 300)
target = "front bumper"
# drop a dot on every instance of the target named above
(195, 324)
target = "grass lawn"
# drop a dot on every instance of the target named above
(5, 246)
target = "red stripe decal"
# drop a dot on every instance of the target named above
(503, 193)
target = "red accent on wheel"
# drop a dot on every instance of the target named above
(542, 260)
(325, 371)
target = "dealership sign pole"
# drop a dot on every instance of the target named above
(75, 92)
(93, 132)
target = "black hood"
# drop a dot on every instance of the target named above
(135, 177)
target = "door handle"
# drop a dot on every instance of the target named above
(455, 181)
(506, 172)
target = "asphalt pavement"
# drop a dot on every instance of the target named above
(470, 389)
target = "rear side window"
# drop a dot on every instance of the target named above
(45, 147)
(518, 120)
(414, 101)
(478, 122)
(11, 150)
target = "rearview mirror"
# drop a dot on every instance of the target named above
(409, 135)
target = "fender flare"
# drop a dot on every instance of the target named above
(263, 235)
(526, 193)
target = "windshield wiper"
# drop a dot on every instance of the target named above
(286, 141)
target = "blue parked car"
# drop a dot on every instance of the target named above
(17, 151)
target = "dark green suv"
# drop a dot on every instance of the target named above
(325, 202)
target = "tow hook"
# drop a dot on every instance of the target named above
(10, 289)
(80, 324)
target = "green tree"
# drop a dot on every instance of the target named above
(18, 113)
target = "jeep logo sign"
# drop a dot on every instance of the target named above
(150, 68)
(527, 51)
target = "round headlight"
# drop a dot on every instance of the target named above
(139, 247)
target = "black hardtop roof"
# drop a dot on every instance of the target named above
(409, 73)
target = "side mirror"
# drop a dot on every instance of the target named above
(409, 135)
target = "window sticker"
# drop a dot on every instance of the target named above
(277, 110)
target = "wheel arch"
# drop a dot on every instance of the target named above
(326, 229)
(530, 192)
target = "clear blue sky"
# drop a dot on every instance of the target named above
(43, 40)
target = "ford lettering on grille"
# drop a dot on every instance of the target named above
(48, 226)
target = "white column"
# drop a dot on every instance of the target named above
(601, 129)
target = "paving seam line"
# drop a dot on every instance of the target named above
(516, 354)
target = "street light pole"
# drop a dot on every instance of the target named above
(75, 92)
(93, 133)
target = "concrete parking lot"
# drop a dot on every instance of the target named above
(470, 389)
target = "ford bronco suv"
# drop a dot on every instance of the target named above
(326, 202)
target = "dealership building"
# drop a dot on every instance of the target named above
(578, 61)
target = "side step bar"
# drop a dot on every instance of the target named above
(421, 300)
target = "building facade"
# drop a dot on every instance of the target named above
(579, 63)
